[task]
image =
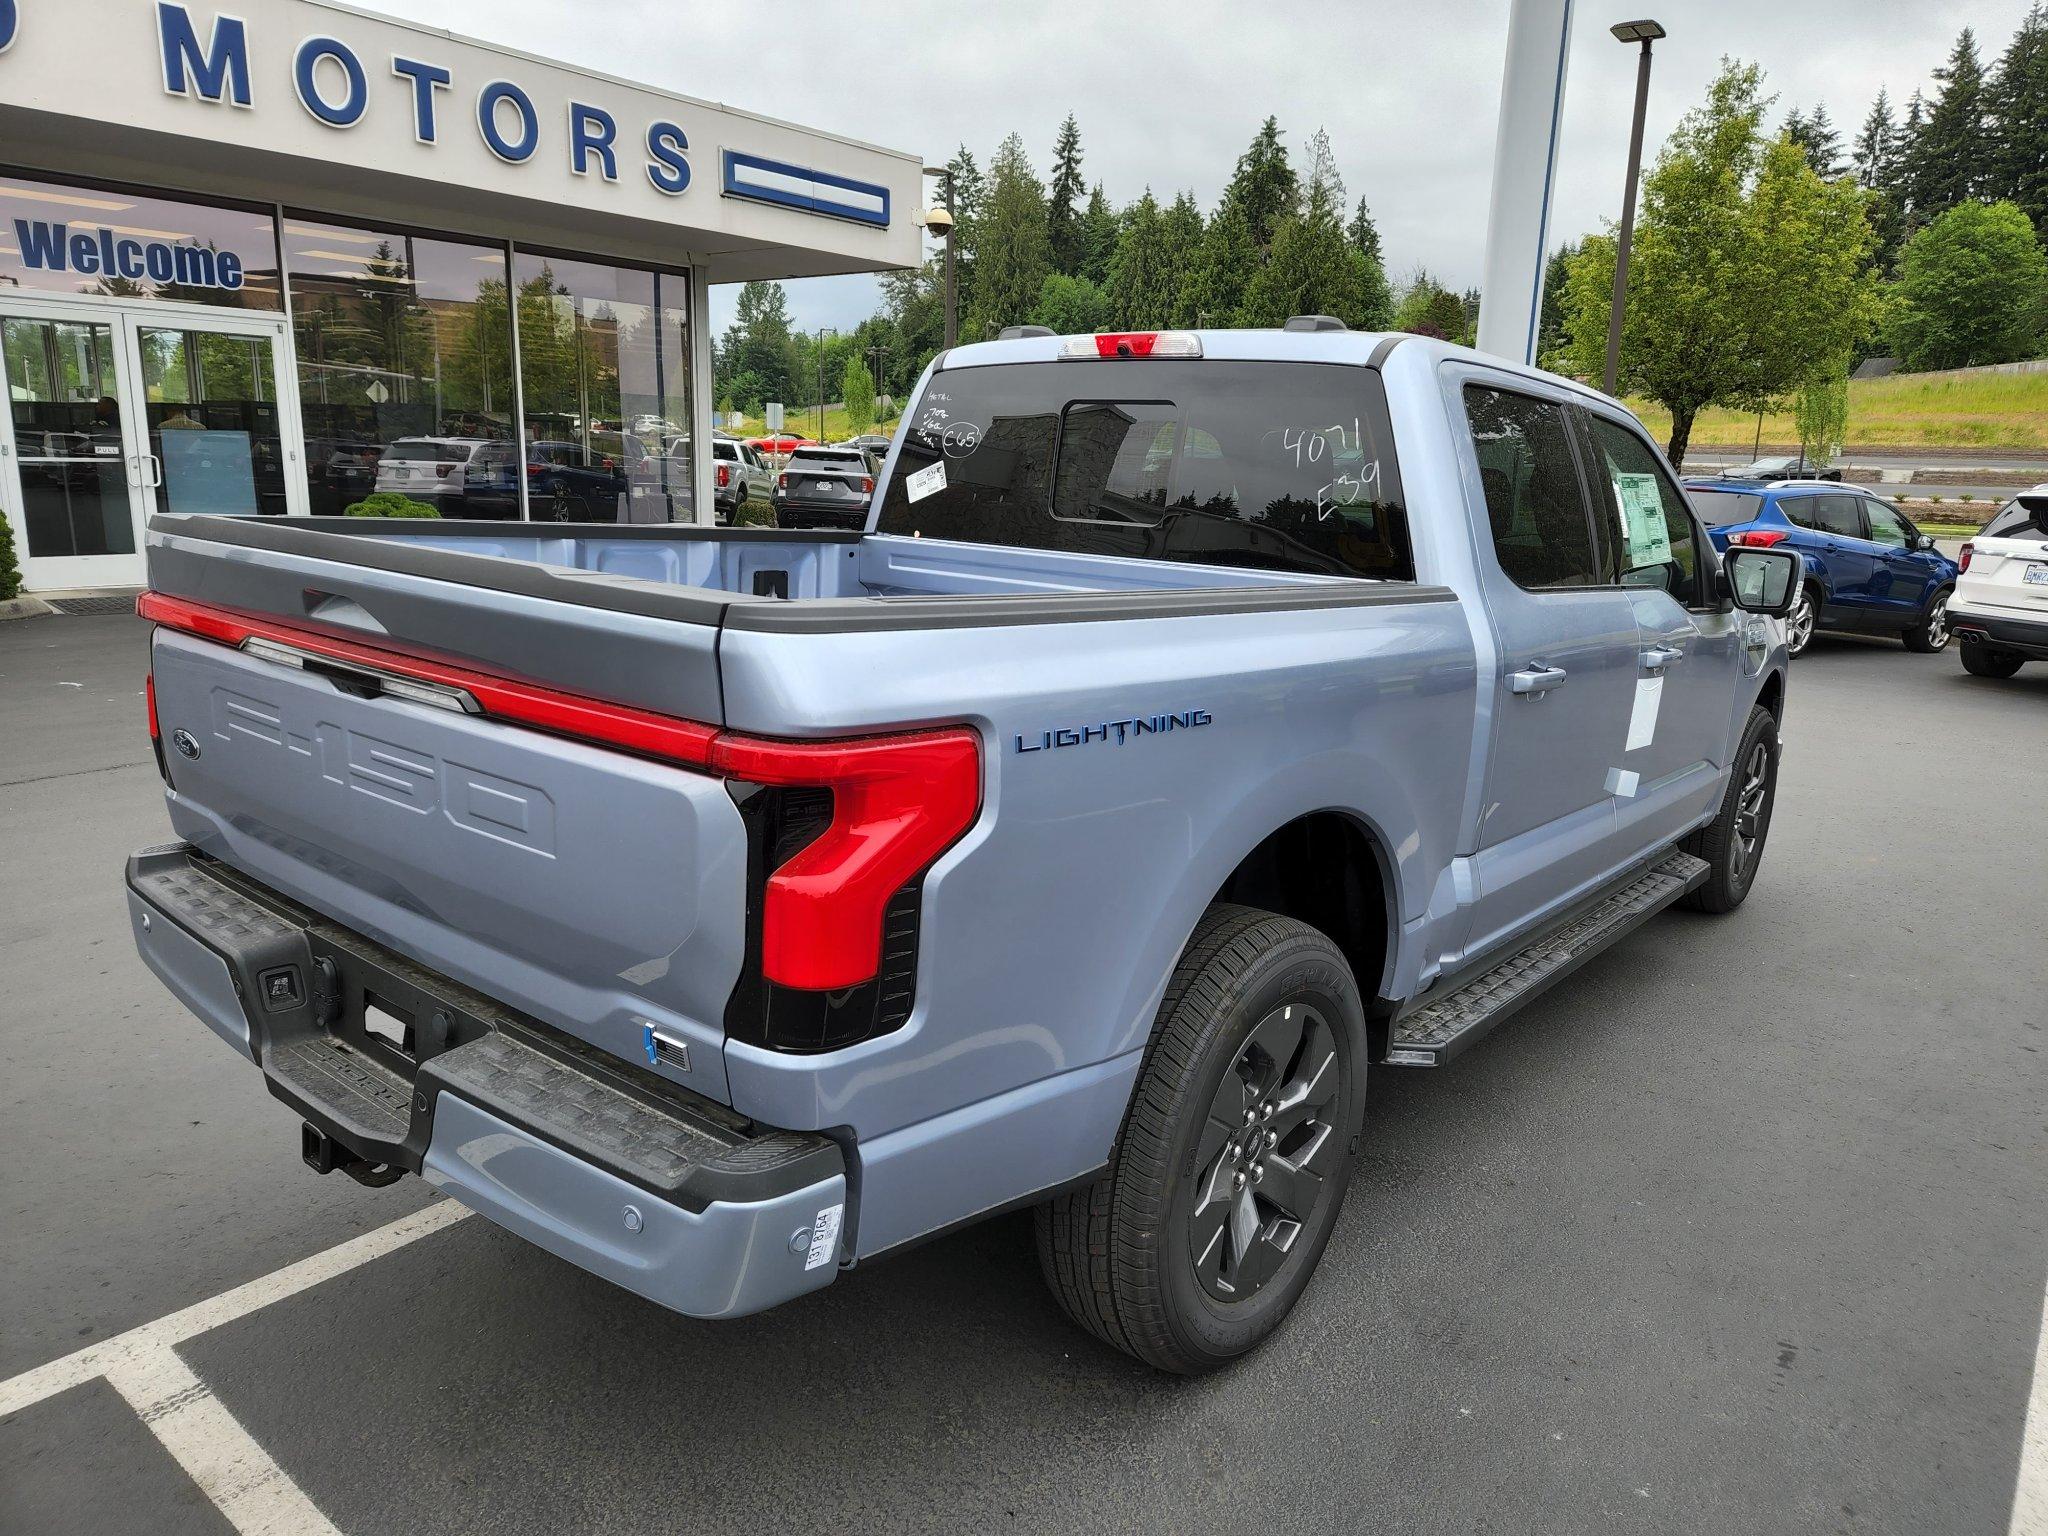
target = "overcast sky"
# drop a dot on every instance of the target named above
(1169, 91)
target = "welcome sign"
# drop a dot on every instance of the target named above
(50, 246)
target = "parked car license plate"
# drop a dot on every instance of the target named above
(829, 486)
(2035, 576)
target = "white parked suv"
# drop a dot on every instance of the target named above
(430, 469)
(1999, 611)
(738, 476)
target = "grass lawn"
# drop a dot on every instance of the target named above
(804, 423)
(1988, 410)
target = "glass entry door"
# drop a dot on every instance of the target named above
(70, 475)
(216, 437)
(115, 414)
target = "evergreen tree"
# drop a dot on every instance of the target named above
(1143, 285)
(1818, 140)
(1010, 256)
(1553, 338)
(1228, 262)
(2019, 110)
(1180, 232)
(1312, 269)
(970, 192)
(1098, 238)
(1063, 229)
(1874, 155)
(1952, 150)
(1428, 308)
(757, 347)
(1364, 235)
(1322, 170)
(1264, 185)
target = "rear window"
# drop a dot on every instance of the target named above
(433, 452)
(1723, 509)
(2015, 520)
(1271, 466)
(828, 458)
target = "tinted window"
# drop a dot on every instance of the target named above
(415, 449)
(1273, 466)
(825, 458)
(1723, 509)
(1839, 515)
(1651, 533)
(1534, 502)
(1886, 526)
(2016, 521)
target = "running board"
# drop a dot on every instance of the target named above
(1437, 1031)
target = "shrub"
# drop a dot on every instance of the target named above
(10, 572)
(389, 504)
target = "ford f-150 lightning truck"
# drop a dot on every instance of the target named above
(1201, 720)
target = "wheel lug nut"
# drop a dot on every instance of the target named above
(1237, 1181)
(1272, 1138)
(1250, 1115)
(1258, 1172)
(1266, 1111)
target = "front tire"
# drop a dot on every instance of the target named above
(1234, 1156)
(1983, 661)
(1733, 842)
(1931, 633)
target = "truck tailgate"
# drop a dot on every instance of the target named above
(600, 892)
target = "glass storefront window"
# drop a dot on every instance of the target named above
(604, 366)
(405, 368)
(123, 245)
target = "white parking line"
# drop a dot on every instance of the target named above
(234, 1472)
(2030, 1498)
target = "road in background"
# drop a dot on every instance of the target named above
(1739, 1230)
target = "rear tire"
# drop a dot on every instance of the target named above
(1931, 633)
(1234, 1155)
(1802, 621)
(1733, 842)
(1983, 661)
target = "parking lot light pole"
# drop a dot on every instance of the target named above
(940, 222)
(1646, 33)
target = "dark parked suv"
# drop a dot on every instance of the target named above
(824, 487)
(1866, 568)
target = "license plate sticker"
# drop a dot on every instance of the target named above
(2035, 576)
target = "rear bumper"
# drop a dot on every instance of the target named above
(2029, 637)
(814, 514)
(657, 1189)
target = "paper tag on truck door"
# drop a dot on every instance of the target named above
(1642, 719)
(824, 1247)
(926, 482)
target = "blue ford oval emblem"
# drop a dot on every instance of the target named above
(185, 742)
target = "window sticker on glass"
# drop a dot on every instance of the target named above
(1642, 513)
(928, 481)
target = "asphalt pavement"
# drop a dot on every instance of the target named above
(1741, 1229)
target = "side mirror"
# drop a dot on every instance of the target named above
(1761, 580)
(1923, 542)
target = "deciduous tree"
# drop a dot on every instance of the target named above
(1973, 288)
(1748, 269)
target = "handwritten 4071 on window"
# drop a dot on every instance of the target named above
(1354, 481)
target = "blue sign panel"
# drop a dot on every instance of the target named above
(761, 180)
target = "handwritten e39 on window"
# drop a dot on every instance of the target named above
(1355, 480)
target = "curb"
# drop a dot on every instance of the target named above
(24, 608)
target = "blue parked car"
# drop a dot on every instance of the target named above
(1868, 570)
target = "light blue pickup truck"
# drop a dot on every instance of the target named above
(1202, 719)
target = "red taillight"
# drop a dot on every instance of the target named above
(1963, 559)
(149, 692)
(1126, 343)
(535, 469)
(782, 482)
(725, 474)
(445, 470)
(898, 801)
(1758, 538)
(867, 485)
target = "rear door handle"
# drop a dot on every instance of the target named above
(1537, 679)
(1658, 657)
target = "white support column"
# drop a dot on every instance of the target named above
(702, 406)
(1524, 173)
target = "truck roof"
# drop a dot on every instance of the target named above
(1275, 346)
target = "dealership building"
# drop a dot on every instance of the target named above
(272, 260)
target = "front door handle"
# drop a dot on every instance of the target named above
(1658, 657)
(1537, 679)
